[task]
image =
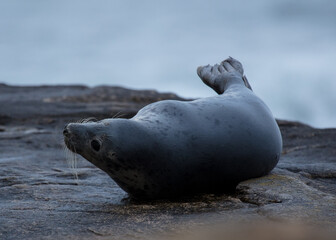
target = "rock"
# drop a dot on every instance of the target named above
(40, 105)
(41, 197)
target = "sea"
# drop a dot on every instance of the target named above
(288, 48)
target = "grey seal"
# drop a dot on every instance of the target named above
(181, 148)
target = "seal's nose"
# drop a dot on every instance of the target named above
(66, 132)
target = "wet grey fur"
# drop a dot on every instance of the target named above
(174, 148)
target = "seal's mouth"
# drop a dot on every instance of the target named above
(70, 145)
(68, 140)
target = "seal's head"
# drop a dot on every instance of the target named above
(106, 144)
(89, 140)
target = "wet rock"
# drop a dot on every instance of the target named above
(42, 197)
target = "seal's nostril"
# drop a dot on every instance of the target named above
(66, 132)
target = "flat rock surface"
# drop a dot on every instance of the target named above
(41, 196)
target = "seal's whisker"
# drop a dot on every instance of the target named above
(58, 137)
(115, 115)
(86, 120)
(108, 136)
(89, 119)
(75, 160)
(72, 160)
(99, 139)
(118, 115)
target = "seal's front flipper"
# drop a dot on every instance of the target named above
(217, 76)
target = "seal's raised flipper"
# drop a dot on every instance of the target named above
(238, 67)
(216, 76)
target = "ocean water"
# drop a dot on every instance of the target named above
(288, 48)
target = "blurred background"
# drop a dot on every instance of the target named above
(288, 48)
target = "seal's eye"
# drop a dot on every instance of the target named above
(95, 145)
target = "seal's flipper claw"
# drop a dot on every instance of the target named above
(235, 64)
(221, 69)
(215, 70)
(210, 75)
(204, 72)
(238, 68)
(247, 84)
(228, 66)
(199, 71)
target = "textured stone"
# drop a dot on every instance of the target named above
(40, 196)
